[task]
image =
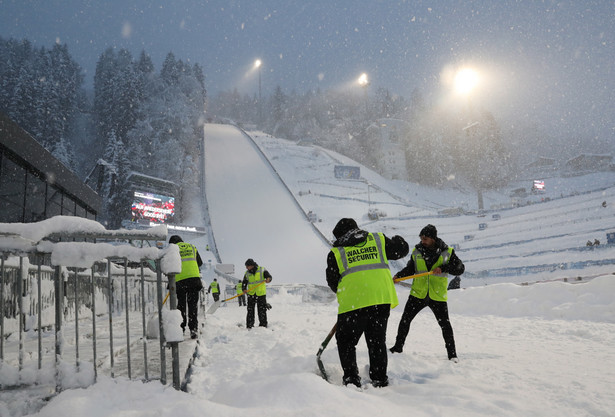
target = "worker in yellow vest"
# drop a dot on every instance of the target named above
(241, 297)
(431, 254)
(214, 289)
(257, 294)
(358, 272)
(188, 284)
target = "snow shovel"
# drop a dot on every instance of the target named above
(323, 345)
(152, 328)
(212, 309)
(325, 342)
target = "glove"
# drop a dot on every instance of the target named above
(268, 306)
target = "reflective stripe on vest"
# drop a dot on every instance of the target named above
(361, 254)
(365, 275)
(190, 268)
(254, 279)
(214, 287)
(434, 285)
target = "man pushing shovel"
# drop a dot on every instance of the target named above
(358, 271)
(435, 256)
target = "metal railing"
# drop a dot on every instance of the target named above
(62, 322)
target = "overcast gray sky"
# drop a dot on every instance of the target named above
(544, 62)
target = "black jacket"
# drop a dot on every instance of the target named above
(395, 248)
(453, 267)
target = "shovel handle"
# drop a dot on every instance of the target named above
(325, 342)
(235, 296)
(422, 274)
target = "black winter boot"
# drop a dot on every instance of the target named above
(396, 349)
(381, 384)
(354, 380)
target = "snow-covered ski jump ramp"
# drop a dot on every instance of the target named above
(253, 215)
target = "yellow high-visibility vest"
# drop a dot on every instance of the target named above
(434, 285)
(190, 268)
(254, 279)
(366, 277)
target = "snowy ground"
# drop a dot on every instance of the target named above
(539, 350)
(531, 350)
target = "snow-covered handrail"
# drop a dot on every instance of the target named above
(75, 248)
(56, 236)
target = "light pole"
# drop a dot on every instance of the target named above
(465, 82)
(372, 213)
(258, 64)
(364, 82)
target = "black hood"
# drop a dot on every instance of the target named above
(175, 239)
(351, 238)
(343, 226)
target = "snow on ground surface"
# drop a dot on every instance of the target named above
(539, 350)
(533, 350)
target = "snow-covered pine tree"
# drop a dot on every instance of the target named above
(40, 92)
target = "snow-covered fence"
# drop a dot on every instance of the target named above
(76, 291)
(68, 289)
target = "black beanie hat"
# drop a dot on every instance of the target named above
(175, 239)
(250, 262)
(429, 231)
(343, 226)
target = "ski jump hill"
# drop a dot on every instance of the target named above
(254, 215)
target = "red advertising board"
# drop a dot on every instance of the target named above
(153, 207)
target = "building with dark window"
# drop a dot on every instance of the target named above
(34, 185)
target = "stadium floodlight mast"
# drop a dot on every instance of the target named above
(257, 65)
(465, 82)
(364, 82)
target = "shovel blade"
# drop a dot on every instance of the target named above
(321, 367)
(153, 329)
(212, 309)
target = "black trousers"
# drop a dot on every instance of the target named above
(188, 297)
(439, 308)
(371, 321)
(216, 295)
(260, 301)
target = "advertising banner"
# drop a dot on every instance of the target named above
(347, 172)
(538, 186)
(153, 207)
